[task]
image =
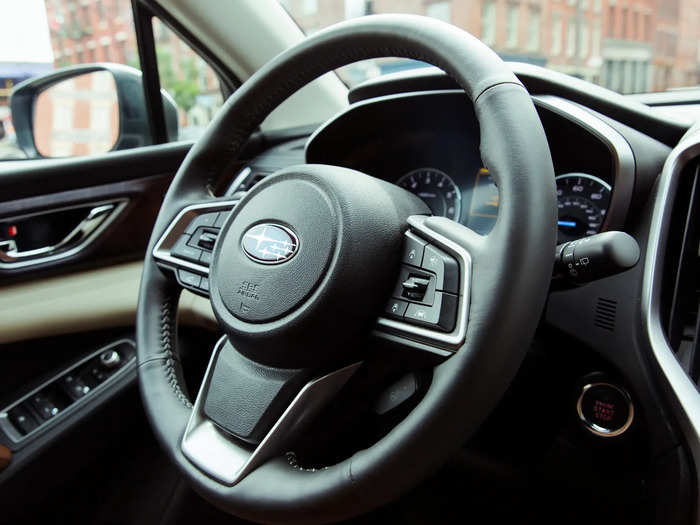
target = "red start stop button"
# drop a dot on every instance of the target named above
(605, 409)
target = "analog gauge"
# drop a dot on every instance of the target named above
(437, 190)
(583, 202)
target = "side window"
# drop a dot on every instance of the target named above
(188, 79)
(71, 85)
(73, 115)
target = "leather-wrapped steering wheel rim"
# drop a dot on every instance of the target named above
(511, 270)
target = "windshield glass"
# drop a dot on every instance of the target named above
(629, 46)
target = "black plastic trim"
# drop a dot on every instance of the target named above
(539, 81)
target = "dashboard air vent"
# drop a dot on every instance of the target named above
(681, 285)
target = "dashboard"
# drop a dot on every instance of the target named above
(428, 143)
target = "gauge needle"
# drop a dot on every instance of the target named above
(568, 224)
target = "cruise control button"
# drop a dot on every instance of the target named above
(188, 278)
(206, 240)
(419, 313)
(185, 251)
(405, 273)
(396, 308)
(444, 267)
(206, 219)
(412, 249)
(441, 315)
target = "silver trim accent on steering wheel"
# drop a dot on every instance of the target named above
(161, 250)
(229, 460)
(440, 343)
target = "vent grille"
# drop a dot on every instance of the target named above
(605, 314)
(681, 287)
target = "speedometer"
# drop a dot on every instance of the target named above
(436, 189)
(583, 202)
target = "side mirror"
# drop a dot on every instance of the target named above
(85, 110)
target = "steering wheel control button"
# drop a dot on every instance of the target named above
(398, 393)
(206, 240)
(206, 219)
(415, 285)
(441, 315)
(605, 409)
(396, 308)
(188, 279)
(413, 248)
(183, 250)
(444, 267)
(203, 238)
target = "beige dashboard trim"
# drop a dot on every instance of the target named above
(89, 300)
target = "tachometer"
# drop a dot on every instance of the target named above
(583, 202)
(437, 190)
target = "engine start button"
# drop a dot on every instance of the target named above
(605, 409)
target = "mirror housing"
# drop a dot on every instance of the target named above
(133, 121)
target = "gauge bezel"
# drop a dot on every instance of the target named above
(458, 191)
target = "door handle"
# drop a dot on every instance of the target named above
(77, 237)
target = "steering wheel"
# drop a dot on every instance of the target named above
(299, 278)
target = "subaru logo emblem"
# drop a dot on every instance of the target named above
(270, 243)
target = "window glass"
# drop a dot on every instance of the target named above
(626, 45)
(38, 37)
(189, 80)
(512, 26)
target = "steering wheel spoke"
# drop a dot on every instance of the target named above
(227, 458)
(185, 249)
(429, 307)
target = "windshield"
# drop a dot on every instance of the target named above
(629, 46)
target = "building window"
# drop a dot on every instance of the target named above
(556, 33)
(512, 26)
(583, 40)
(86, 15)
(439, 10)
(533, 29)
(488, 23)
(647, 27)
(611, 21)
(596, 39)
(570, 37)
(624, 23)
(100, 9)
